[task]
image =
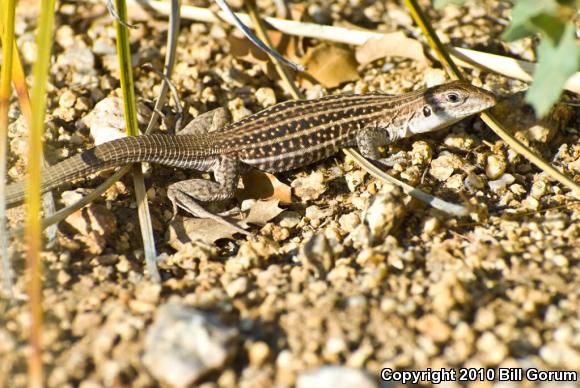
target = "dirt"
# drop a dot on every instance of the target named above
(352, 274)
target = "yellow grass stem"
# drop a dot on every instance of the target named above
(33, 220)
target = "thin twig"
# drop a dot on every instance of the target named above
(233, 18)
(261, 31)
(174, 95)
(115, 15)
(174, 18)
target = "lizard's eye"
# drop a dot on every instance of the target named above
(426, 111)
(452, 97)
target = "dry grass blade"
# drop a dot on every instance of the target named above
(174, 19)
(261, 31)
(506, 66)
(491, 121)
(291, 27)
(21, 88)
(130, 110)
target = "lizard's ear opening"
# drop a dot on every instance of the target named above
(426, 111)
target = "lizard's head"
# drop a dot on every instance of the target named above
(443, 105)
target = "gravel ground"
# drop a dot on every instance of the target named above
(350, 278)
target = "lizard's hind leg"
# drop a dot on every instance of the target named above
(186, 194)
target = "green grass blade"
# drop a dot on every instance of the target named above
(130, 110)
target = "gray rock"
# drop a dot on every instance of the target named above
(106, 121)
(183, 344)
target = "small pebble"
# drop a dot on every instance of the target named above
(444, 166)
(289, 219)
(64, 36)
(354, 179)
(67, 99)
(385, 212)
(317, 255)
(266, 97)
(348, 222)
(258, 353)
(495, 166)
(237, 287)
(501, 183)
(474, 182)
(492, 350)
(309, 187)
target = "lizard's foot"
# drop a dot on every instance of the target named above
(230, 212)
(185, 194)
(183, 200)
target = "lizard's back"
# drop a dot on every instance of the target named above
(285, 136)
(296, 133)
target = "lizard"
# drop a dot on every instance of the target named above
(279, 138)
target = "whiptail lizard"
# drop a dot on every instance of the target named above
(282, 137)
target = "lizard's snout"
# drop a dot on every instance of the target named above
(488, 99)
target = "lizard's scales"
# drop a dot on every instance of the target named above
(285, 136)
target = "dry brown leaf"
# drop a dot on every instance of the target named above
(242, 48)
(396, 44)
(245, 50)
(331, 65)
(262, 212)
(261, 185)
(185, 230)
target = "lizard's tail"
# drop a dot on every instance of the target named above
(180, 151)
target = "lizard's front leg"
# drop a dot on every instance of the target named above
(369, 139)
(186, 194)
